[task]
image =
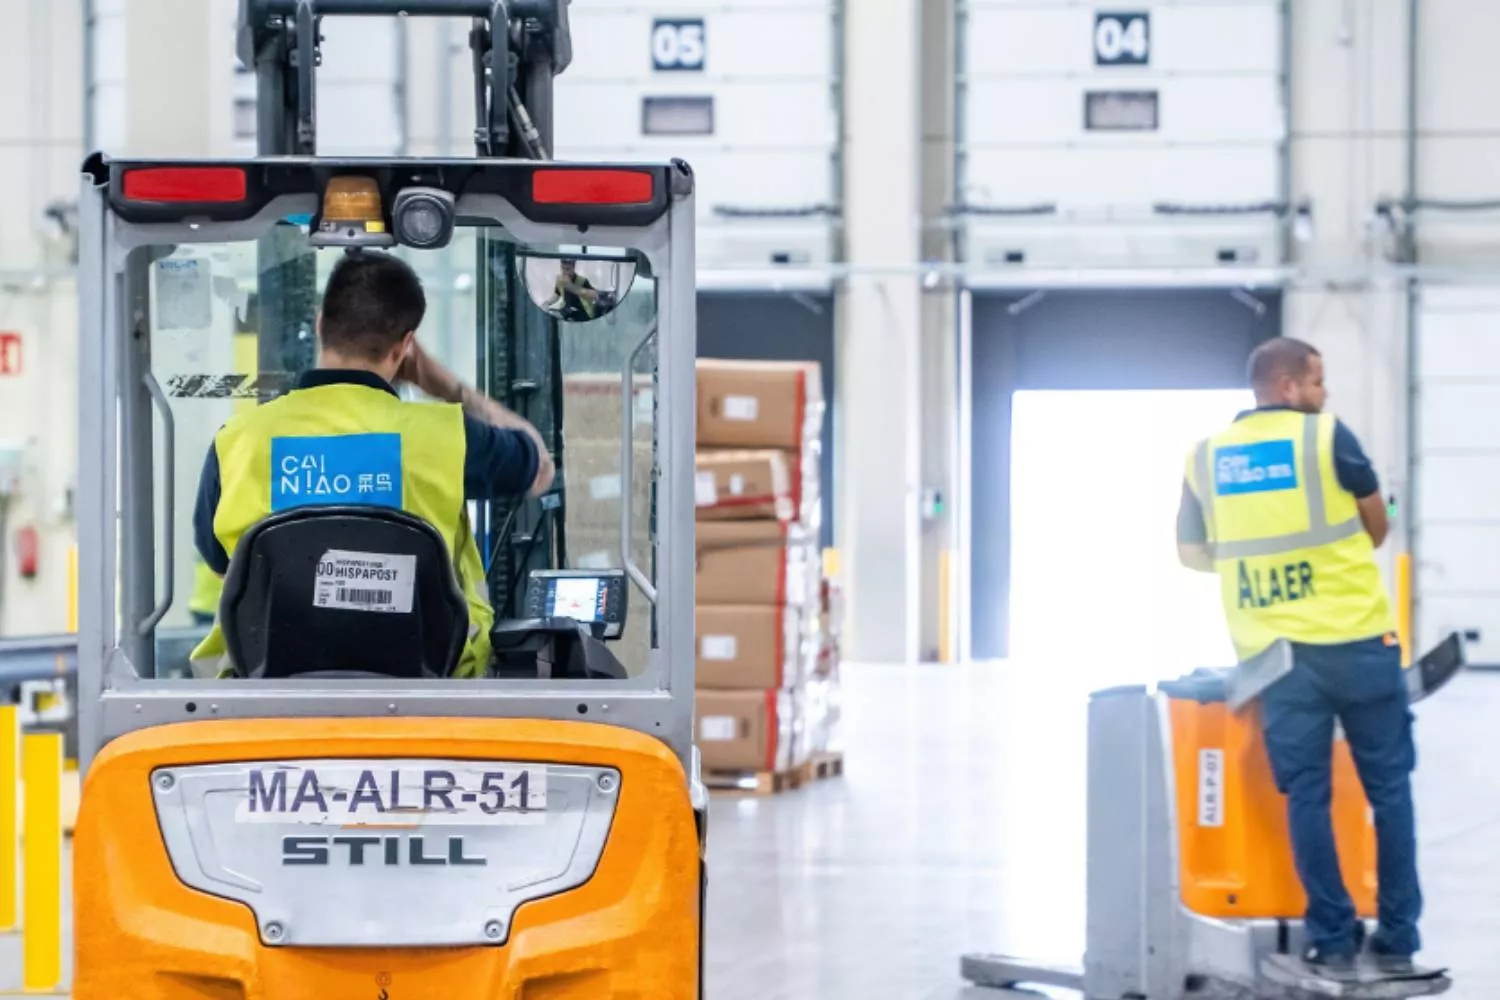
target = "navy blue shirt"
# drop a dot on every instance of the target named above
(1355, 474)
(498, 462)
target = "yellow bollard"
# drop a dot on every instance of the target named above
(41, 913)
(10, 833)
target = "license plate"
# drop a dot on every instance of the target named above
(370, 794)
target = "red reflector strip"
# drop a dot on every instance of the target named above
(185, 184)
(592, 187)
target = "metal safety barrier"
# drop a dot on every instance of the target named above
(31, 849)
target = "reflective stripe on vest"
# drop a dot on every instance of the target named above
(1319, 531)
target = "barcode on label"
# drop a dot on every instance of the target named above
(365, 596)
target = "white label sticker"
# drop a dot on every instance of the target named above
(365, 581)
(183, 294)
(593, 560)
(736, 484)
(705, 490)
(719, 647)
(741, 407)
(718, 728)
(1211, 788)
(605, 487)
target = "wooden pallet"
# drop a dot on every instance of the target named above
(821, 766)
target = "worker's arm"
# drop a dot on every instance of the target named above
(1377, 523)
(1192, 533)
(495, 462)
(1357, 475)
(210, 549)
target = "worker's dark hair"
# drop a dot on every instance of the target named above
(371, 301)
(1277, 357)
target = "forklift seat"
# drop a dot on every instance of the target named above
(343, 591)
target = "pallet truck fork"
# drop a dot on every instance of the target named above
(1192, 892)
(336, 814)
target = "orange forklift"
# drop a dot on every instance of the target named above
(336, 814)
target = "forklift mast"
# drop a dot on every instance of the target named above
(518, 47)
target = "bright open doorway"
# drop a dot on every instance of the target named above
(1096, 590)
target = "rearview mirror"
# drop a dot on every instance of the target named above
(577, 285)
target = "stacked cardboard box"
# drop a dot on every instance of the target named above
(762, 703)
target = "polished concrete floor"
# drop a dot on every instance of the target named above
(958, 826)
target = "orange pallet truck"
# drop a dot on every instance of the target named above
(1192, 890)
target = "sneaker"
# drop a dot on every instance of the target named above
(1392, 965)
(1330, 962)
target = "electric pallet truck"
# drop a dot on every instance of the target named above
(337, 815)
(1192, 890)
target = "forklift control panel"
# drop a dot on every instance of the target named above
(595, 598)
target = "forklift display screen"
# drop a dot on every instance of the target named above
(587, 596)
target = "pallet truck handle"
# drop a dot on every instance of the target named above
(627, 467)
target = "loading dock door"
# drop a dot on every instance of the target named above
(1458, 468)
(767, 326)
(1090, 339)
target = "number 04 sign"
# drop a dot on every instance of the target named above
(678, 44)
(1122, 38)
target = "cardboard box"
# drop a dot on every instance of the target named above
(591, 406)
(759, 404)
(591, 472)
(747, 730)
(742, 485)
(756, 562)
(748, 646)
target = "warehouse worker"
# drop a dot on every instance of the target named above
(574, 297)
(424, 458)
(1285, 507)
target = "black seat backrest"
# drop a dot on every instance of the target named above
(330, 590)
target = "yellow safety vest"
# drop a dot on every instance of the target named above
(343, 444)
(207, 586)
(1293, 558)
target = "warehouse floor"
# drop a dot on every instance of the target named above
(958, 825)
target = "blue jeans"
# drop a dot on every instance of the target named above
(1361, 685)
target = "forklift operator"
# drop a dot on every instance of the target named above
(343, 436)
(1285, 507)
(573, 295)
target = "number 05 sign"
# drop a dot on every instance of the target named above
(678, 44)
(1122, 38)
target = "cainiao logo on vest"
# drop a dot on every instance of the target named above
(1254, 468)
(362, 469)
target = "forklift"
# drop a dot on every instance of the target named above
(337, 814)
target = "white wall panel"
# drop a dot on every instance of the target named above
(357, 108)
(1215, 68)
(41, 149)
(769, 68)
(1459, 466)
